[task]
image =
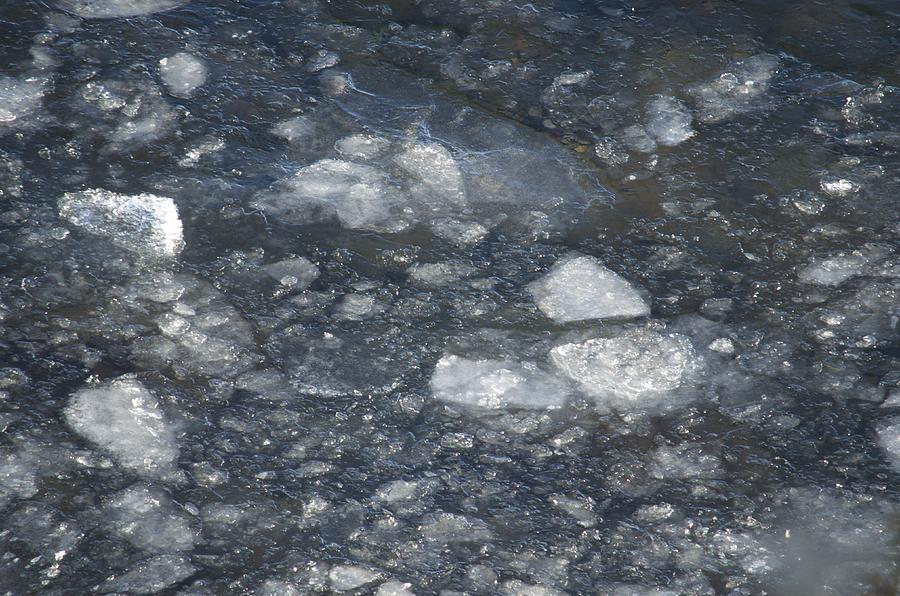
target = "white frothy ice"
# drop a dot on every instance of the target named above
(436, 173)
(668, 121)
(889, 440)
(361, 146)
(108, 9)
(634, 370)
(580, 288)
(496, 384)
(182, 73)
(394, 588)
(125, 419)
(144, 224)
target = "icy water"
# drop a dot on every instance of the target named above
(449, 297)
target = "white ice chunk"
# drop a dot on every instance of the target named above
(294, 273)
(394, 588)
(630, 371)
(889, 440)
(17, 478)
(580, 508)
(149, 520)
(496, 384)
(144, 224)
(517, 587)
(355, 307)
(19, 98)
(580, 288)
(668, 121)
(182, 73)
(439, 274)
(350, 577)
(357, 195)
(108, 9)
(294, 129)
(837, 269)
(151, 576)
(435, 170)
(445, 528)
(124, 418)
(362, 146)
(684, 461)
(735, 91)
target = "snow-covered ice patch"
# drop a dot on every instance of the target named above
(496, 384)
(632, 371)
(144, 224)
(125, 419)
(580, 288)
(182, 73)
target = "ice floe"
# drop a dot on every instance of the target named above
(182, 73)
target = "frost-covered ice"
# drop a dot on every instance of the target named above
(580, 288)
(634, 370)
(125, 419)
(108, 9)
(435, 171)
(496, 384)
(394, 588)
(668, 121)
(439, 274)
(182, 73)
(145, 224)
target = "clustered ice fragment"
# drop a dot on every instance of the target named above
(182, 73)
(146, 225)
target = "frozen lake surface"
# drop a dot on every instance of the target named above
(449, 297)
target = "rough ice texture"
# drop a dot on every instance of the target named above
(19, 99)
(108, 9)
(17, 478)
(736, 90)
(435, 172)
(668, 121)
(356, 195)
(145, 224)
(151, 576)
(182, 73)
(125, 419)
(149, 520)
(394, 588)
(633, 370)
(580, 288)
(349, 577)
(496, 384)
(439, 274)
(294, 129)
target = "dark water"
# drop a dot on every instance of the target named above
(456, 296)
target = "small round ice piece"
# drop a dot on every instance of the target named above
(496, 384)
(580, 288)
(109, 9)
(668, 121)
(633, 370)
(144, 224)
(125, 419)
(182, 73)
